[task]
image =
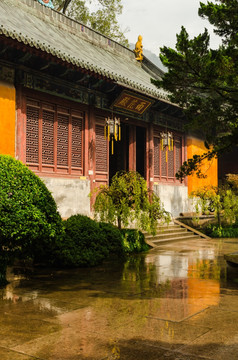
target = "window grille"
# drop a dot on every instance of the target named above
(48, 137)
(101, 149)
(62, 140)
(156, 157)
(54, 138)
(76, 142)
(32, 135)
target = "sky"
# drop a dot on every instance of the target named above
(158, 21)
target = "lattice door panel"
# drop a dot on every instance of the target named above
(163, 164)
(47, 137)
(32, 135)
(62, 140)
(156, 156)
(101, 149)
(170, 164)
(178, 154)
(76, 142)
(54, 138)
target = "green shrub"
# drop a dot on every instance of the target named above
(88, 243)
(232, 180)
(217, 231)
(222, 200)
(113, 238)
(30, 225)
(133, 241)
(84, 244)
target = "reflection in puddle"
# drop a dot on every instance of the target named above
(147, 297)
(191, 280)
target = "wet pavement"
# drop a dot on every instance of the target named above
(179, 302)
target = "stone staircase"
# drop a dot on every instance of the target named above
(173, 232)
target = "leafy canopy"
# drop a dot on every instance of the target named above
(100, 15)
(128, 201)
(223, 201)
(204, 81)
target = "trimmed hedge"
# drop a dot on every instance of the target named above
(88, 243)
(30, 224)
(113, 238)
(84, 244)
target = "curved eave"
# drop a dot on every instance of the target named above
(119, 79)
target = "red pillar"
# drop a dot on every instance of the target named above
(132, 148)
(150, 156)
(21, 125)
(91, 155)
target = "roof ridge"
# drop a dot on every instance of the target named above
(93, 35)
(38, 30)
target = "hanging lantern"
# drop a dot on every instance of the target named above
(112, 130)
(166, 142)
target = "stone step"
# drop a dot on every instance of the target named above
(170, 233)
(166, 241)
(166, 229)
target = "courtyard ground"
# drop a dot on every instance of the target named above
(177, 302)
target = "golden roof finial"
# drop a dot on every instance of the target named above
(139, 49)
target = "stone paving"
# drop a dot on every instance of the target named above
(177, 302)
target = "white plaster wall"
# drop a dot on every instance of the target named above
(174, 198)
(71, 195)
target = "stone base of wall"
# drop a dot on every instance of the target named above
(174, 198)
(71, 195)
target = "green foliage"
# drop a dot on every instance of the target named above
(232, 180)
(113, 238)
(30, 225)
(204, 81)
(102, 17)
(88, 243)
(127, 200)
(133, 241)
(222, 200)
(217, 231)
(84, 243)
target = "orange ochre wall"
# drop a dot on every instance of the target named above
(7, 118)
(209, 168)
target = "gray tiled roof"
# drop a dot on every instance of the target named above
(50, 31)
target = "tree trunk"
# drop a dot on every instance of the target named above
(3, 268)
(219, 218)
(119, 222)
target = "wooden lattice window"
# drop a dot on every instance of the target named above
(54, 137)
(77, 141)
(47, 137)
(170, 163)
(32, 135)
(62, 139)
(156, 156)
(164, 164)
(101, 149)
(178, 153)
